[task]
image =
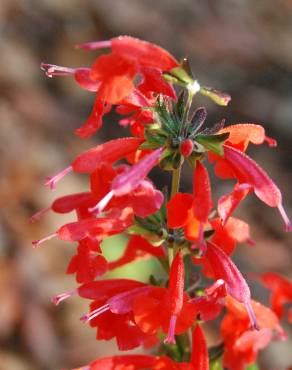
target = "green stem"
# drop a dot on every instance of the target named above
(175, 182)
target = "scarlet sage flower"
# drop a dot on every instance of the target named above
(223, 268)
(192, 211)
(241, 345)
(236, 164)
(145, 307)
(144, 199)
(112, 75)
(281, 293)
(199, 359)
(128, 181)
(109, 152)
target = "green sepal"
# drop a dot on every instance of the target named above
(179, 107)
(217, 96)
(152, 238)
(147, 145)
(166, 162)
(181, 74)
(214, 143)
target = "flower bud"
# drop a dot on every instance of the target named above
(186, 148)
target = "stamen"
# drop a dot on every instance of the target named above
(51, 181)
(171, 330)
(36, 243)
(37, 216)
(95, 45)
(52, 70)
(100, 206)
(193, 87)
(252, 316)
(271, 142)
(61, 297)
(91, 315)
(288, 225)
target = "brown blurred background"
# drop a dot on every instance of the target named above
(243, 47)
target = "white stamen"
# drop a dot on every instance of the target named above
(100, 206)
(193, 87)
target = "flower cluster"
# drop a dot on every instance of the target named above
(153, 93)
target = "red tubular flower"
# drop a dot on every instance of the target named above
(192, 211)
(228, 203)
(240, 135)
(223, 268)
(145, 309)
(281, 292)
(129, 362)
(176, 292)
(200, 359)
(153, 81)
(144, 199)
(81, 75)
(98, 228)
(248, 171)
(241, 345)
(210, 305)
(116, 71)
(202, 201)
(234, 231)
(128, 181)
(116, 75)
(145, 53)
(87, 264)
(109, 152)
(94, 121)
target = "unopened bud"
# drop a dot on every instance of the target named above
(186, 148)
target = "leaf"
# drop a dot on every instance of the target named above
(214, 143)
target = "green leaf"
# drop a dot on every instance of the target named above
(213, 142)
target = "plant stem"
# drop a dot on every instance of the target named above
(175, 182)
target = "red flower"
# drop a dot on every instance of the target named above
(236, 164)
(109, 152)
(241, 344)
(281, 293)
(199, 359)
(192, 211)
(129, 181)
(223, 268)
(211, 303)
(146, 308)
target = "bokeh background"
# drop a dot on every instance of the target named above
(243, 47)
